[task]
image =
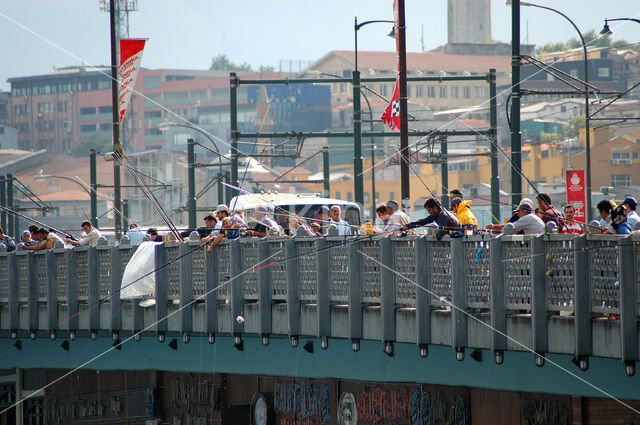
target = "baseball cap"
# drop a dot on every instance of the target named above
(393, 205)
(222, 207)
(631, 201)
(210, 216)
(525, 205)
(26, 233)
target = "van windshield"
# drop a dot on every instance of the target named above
(310, 212)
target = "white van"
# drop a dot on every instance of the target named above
(305, 205)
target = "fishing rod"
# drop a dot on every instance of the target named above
(62, 232)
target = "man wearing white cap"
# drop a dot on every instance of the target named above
(527, 223)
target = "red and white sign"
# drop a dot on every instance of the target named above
(130, 57)
(576, 194)
(391, 115)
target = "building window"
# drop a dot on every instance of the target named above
(431, 91)
(366, 197)
(349, 196)
(620, 180)
(392, 196)
(383, 89)
(454, 92)
(87, 128)
(443, 92)
(619, 155)
(105, 126)
(420, 91)
(338, 195)
(466, 92)
(409, 90)
(105, 109)
(634, 155)
(603, 72)
(87, 111)
(152, 82)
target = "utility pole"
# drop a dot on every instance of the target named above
(326, 171)
(10, 221)
(405, 189)
(493, 123)
(117, 147)
(3, 202)
(516, 137)
(233, 99)
(94, 187)
(191, 200)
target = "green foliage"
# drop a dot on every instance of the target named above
(573, 126)
(223, 63)
(264, 69)
(591, 38)
(548, 137)
(101, 142)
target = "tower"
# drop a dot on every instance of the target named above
(469, 21)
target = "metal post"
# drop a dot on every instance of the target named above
(373, 183)
(444, 173)
(125, 215)
(220, 188)
(516, 137)
(94, 187)
(117, 147)
(358, 180)
(227, 189)
(404, 125)
(191, 174)
(326, 171)
(493, 125)
(9, 180)
(233, 100)
(3, 202)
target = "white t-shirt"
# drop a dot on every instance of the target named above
(91, 238)
(530, 224)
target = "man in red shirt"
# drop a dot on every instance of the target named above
(571, 226)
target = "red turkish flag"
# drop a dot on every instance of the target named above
(391, 115)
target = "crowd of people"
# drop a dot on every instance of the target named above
(457, 220)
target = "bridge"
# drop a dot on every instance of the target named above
(474, 311)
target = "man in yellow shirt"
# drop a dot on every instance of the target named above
(461, 208)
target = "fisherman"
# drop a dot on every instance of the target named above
(7, 241)
(445, 219)
(90, 238)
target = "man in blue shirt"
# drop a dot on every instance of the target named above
(343, 227)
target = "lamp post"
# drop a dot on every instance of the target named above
(49, 176)
(589, 207)
(358, 178)
(606, 31)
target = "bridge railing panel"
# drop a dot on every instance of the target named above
(61, 270)
(440, 270)
(4, 277)
(371, 271)
(405, 265)
(23, 277)
(307, 268)
(82, 255)
(104, 272)
(278, 269)
(338, 269)
(224, 271)
(517, 271)
(249, 262)
(603, 263)
(477, 261)
(559, 260)
(41, 275)
(198, 287)
(173, 270)
(636, 243)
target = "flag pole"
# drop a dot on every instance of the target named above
(404, 130)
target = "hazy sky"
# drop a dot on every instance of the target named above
(188, 33)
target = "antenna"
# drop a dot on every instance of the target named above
(422, 37)
(123, 7)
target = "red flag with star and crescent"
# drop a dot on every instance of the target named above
(391, 115)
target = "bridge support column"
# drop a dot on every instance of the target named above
(293, 291)
(459, 297)
(539, 323)
(497, 298)
(32, 295)
(388, 296)
(94, 291)
(322, 292)
(237, 289)
(582, 301)
(211, 298)
(264, 293)
(72, 292)
(14, 305)
(355, 295)
(186, 292)
(628, 304)
(52, 293)
(116, 282)
(423, 295)
(162, 283)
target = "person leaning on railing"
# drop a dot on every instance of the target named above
(7, 241)
(445, 219)
(524, 221)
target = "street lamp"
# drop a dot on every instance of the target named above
(41, 176)
(606, 31)
(586, 103)
(358, 178)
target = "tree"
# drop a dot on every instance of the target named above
(222, 63)
(592, 40)
(573, 126)
(264, 69)
(101, 142)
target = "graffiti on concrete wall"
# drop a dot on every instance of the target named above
(302, 403)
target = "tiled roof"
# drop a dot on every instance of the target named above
(428, 61)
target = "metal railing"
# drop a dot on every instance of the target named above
(538, 275)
